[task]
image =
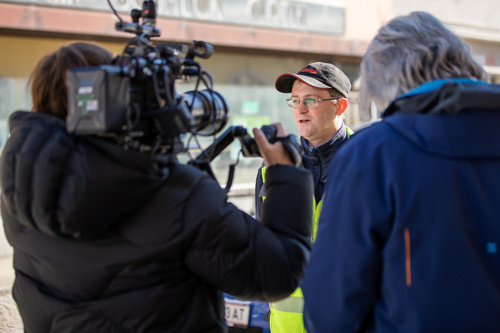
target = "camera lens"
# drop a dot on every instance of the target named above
(209, 111)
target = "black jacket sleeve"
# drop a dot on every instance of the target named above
(247, 259)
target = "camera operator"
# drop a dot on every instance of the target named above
(110, 240)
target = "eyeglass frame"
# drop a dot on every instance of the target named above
(317, 100)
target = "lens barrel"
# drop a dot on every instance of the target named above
(209, 111)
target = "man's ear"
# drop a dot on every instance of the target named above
(342, 106)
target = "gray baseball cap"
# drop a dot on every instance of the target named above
(317, 74)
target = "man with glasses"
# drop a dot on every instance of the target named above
(318, 101)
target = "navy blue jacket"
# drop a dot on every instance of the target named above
(409, 235)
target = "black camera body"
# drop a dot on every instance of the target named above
(249, 147)
(291, 143)
(97, 100)
(135, 99)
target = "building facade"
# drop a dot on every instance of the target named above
(254, 41)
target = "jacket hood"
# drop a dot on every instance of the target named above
(70, 185)
(456, 120)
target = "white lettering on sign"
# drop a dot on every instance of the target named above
(126, 5)
(278, 12)
(64, 2)
(326, 16)
(198, 9)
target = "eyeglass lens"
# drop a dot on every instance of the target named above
(308, 102)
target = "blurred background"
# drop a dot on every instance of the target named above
(254, 42)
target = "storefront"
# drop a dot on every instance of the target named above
(254, 41)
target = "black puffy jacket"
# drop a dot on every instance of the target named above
(109, 240)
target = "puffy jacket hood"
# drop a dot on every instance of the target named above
(54, 167)
(424, 119)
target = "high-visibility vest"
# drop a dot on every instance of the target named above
(286, 315)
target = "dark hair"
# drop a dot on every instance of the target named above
(48, 79)
(335, 93)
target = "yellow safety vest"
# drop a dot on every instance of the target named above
(286, 315)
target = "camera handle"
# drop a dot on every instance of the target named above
(202, 161)
(248, 147)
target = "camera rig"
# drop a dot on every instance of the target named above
(134, 100)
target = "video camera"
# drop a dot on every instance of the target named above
(134, 99)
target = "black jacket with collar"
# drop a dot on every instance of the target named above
(317, 160)
(109, 240)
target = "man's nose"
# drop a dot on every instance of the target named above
(302, 108)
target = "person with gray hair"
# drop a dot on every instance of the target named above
(409, 236)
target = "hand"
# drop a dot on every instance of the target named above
(272, 153)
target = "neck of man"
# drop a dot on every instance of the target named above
(338, 122)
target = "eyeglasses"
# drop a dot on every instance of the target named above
(309, 102)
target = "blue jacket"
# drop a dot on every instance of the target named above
(409, 235)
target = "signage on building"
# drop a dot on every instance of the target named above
(304, 15)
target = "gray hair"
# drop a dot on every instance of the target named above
(409, 51)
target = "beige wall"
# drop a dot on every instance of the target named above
(472, 17)
(364, 17)
(20, 54)
(476, 21)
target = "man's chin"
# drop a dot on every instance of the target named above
(304, 134)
